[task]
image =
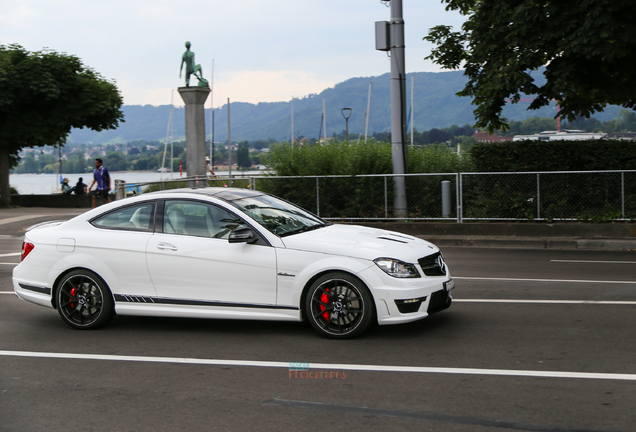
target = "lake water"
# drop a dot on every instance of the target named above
(44, 184)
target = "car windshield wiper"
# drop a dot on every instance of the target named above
(304, 229)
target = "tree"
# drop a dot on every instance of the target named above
(243, 155)
(586, 48)
(43, 95)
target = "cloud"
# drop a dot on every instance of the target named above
(267, 86)
(263, 50)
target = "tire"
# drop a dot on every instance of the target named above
(84, 301)
(339, 306)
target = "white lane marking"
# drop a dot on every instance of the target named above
(599, 302)
(544, 280)
(13, 264)
(11, 254)
(601, 262)
(7, 292)
(328, 366)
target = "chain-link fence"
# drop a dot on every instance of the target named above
(569, 195)
(364, 197)
(530, 196)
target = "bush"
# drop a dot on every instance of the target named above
(351, 196)
(529, 155)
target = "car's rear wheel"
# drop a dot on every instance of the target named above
(84, 300)
(339, 306)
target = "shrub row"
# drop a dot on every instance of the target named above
(528, 155)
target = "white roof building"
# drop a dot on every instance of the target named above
(563, 135)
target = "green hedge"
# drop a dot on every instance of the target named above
(529, 155)
(358, 197)
(588, 197)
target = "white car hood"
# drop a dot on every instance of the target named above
(361, 242)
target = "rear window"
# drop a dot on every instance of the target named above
(136, 217)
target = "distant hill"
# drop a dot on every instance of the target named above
(436, 106)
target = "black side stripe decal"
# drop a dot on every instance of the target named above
(42, 290)
(168, 301)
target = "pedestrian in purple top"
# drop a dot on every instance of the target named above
(102, 178)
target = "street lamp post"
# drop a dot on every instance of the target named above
(346, 113)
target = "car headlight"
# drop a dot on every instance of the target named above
(397, 268)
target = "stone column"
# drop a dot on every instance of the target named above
(194, 98)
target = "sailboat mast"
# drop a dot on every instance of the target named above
(366, 130)
(170, 129)
(324, 115)
(165, 148)
(229, 140)
(212, 117)
(412, 110)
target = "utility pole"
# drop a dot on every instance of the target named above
(389, 36)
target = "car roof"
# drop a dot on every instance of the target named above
(227, 194)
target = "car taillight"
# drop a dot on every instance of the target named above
(26, 249)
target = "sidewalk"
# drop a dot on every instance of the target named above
(567, 235)
(12, 214)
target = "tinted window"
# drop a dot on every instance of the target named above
(278, 216)
(198, 219)
(135, 217)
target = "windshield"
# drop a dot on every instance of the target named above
(278, 216)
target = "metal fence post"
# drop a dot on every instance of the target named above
(538, 198)
(457, 196)
(386, 200)
(120, 189)
(460, 212)
(623, 192)
(317, 197)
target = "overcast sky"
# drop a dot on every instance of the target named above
(263, 51)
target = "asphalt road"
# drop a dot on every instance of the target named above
(537, 340)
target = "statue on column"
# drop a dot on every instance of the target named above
(191, 68)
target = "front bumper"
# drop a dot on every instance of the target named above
(406, 300)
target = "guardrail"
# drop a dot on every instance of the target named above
(503, 196)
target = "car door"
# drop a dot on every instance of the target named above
(115, 247)
(191, 261)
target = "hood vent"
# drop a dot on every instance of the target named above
(392, 239)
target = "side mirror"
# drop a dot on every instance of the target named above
(242, 235)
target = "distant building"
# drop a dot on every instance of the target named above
(488, 137)
(624, 136)
(562, 135)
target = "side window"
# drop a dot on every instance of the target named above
(136, 217)
(198, 219)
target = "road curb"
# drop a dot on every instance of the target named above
(533, 243)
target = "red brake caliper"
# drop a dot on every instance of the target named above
(72, 295)
(324, 298)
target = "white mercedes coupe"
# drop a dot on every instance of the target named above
(228, 253)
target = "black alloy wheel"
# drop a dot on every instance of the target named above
(339, 306)
(84, 301)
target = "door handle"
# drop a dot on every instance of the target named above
(168, 246)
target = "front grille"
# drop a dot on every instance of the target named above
(440, 300)
(433, 265)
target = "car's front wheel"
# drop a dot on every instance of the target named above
(339, 306)
(84, 301)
